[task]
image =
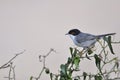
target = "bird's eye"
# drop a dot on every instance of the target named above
(72, 33)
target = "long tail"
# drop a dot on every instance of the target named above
(105, 35)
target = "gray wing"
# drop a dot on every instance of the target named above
(82, 37)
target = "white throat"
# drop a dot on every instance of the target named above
(74, 40)
(72, 37)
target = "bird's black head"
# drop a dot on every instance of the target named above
(74, 32)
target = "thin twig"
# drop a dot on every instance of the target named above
(6, 64)
(13, 68)
(44, 63)
(9, 75)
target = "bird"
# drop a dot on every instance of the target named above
(85, 40)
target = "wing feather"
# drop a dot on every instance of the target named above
(83, 37)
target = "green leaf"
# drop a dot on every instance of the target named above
(97, 61)
(51, 76)
(97, 77)
(69, 60)
(71, 50)
(31, 77)
(108, 40)
(109, 44)
(84, 75)
(75, 52)
(76, 62)
(105, 39)
(65, 74)
(63, 69)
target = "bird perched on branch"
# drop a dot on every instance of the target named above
(85, 40)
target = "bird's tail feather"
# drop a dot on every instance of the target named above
(106, 35)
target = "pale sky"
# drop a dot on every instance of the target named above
(38, 25)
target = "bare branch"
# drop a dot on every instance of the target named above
(13, 68)
(7, 63)
(43, 62)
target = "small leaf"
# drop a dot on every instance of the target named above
(97, 61)
(76, 62)
(51, 76)
(108, 40)
(84, 75)
(75, 52)
(105, 39)
(109, 44)
(31, 77)
(98, 77)
(69, 60)
(71, 50)
(63, 69)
